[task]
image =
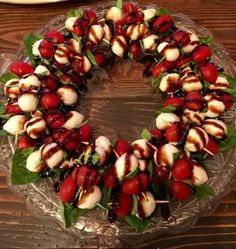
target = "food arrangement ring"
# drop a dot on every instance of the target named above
(93, 228)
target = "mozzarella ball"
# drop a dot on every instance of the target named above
(215, 127)
(107, 32)
(102, 154)
(36, 127)
(215, 106)
(73, 45)
(29, 82)
(190, 116)
(194, 42)
(15, 124)
(191, 82)
(142, 164)
(104, 142)
(28, 102)
(74, 120)
(11, 88)
(125, 164)
(170, 83)
(199, 176)
(196, 140)
(34, 162)
(52, 154)
(141, 149)
(171, 53)
(146, 204)
(164, 156)
(35, 48)
(114, 14)
(62, 54)
(95, 33)
(70, 23)
(136, 31)
(149, 14)
(165, 120)
(41, 70)
(68, 95)
(89, 198)
(162, 46)
(119, 45)
(220, 84)
(150, 42)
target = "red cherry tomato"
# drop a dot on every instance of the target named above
(181, 170)
(158, 69)
(110, 178)
(68, 189)
(201, 53)
(21, 68)
(212, 147)
(122, 204)
(55, 36)
(50, 101)
(194, 101)
(209, 72)
(130, 7)
(162, 24)
(175, 132)
(175, 101)
(156, 133)
(54, 119)
(25, 142)
(181, 191)
(85, 132)
(121, 147)
(46, 49)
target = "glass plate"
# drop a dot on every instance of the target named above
(121, 103)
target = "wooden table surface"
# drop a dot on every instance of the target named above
(18, 228)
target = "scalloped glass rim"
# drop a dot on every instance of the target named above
(93, 228)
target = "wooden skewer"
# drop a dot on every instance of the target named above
(161, 201)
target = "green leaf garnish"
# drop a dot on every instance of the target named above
(29, 40)
(138, 224)
(4, 133)
(69, 214)
(150, 168)
(230, 141)
(134, 210)
(95, 158)
(162, 12)
(204, 191)
(131, 174)
(208, 40)
(77, 38)
(146, 134)
(176, 155)
(119, 3)
(8, 76)
(113, 142)
(106, 195)
(5, 116)
(156, 81)
(92, 59)
(83, 123)
(230, 79)
(197, 156)
(169, 108)
(19, 174)
(75, 13)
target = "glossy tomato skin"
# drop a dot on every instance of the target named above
(175, 132)
(55, 36)
(158, 69)
(21, 68)
(110, 178)
(162, 24)
(175, 101)
(212, 147)
(85, 133)
(13, 108)
(121, 147)
(50, 101)
(25, 142)
(122, 204)
(194, 101)
(68, 189)
(201, 53)
(180, 190)
(227, 100)
(181, 170)
(209, 72)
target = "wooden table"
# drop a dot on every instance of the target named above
(18, 228)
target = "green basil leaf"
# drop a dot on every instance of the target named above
(8, 76)
(230, 141)
(208, 40)
(106, 195)
(138, 224)
(197, 156)
(146, 134)
(77, 38)
(75, 13)
(156, 81)
(204, 191)
(4, 133)
(176, 155)
(92, 59)
(5, 116)
(230, 79)
(29, 40)
(131, 175)
(2, 109)
(119, 3)
(134, 210)
(169, 108)
(69, 214)
(150, 168)
(162, 12)
(19, 174)
(156, 189)
(95, 158)
(113, 142)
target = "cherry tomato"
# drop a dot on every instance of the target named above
(68, 189)
(180, 190)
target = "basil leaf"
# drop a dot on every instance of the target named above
(69, 214)
(162, 12)
(197, 156)
(19, 174)
(156, 81)
(204, 191)
(2, 109)
(106, 195)
(176, 155)
(119, 3)
(150, 168)
(208, 40)
(5, 116)
(95, 158)
(146, 134)
(138, 224)
(29, 41)
(77, 38)
(92, 59)
(4, 133)
(113, 142)
(8, 76)
(75, 13)
(169, 108)
(230, 141)
(131, 175)
(134, 210)
(83, 123)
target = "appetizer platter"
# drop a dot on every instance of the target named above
(176, 169)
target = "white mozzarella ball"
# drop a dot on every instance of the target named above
(170, 82)
(15, 124)
(96, 33)
(146, 204)
(191, 82)
(150, 42)
(89, 198)
(114, 14)
(41, 70)
(102, 154)
(68, 95)
(61, 54)
(194, 42)
(74, 46)
(220, 84)
(34, 162)
(215, 127)
(165, 120)
(190, 116)
(35, 48)
(52, 154)
(149, 14)
(164, 156)
(28, 102)
(70, 23)
(199, 176)
(136, 31)
(119, 46)
(29, 82)
(196, 140)
(104, 142)
(107, 32)
(171, 53)
(74, 120)
(142, 164)
(11, 88)
(141, 149)
(36, 127)
(215, 106)
(162, 46)
(125, 164)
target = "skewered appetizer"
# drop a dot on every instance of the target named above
(128, 180)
